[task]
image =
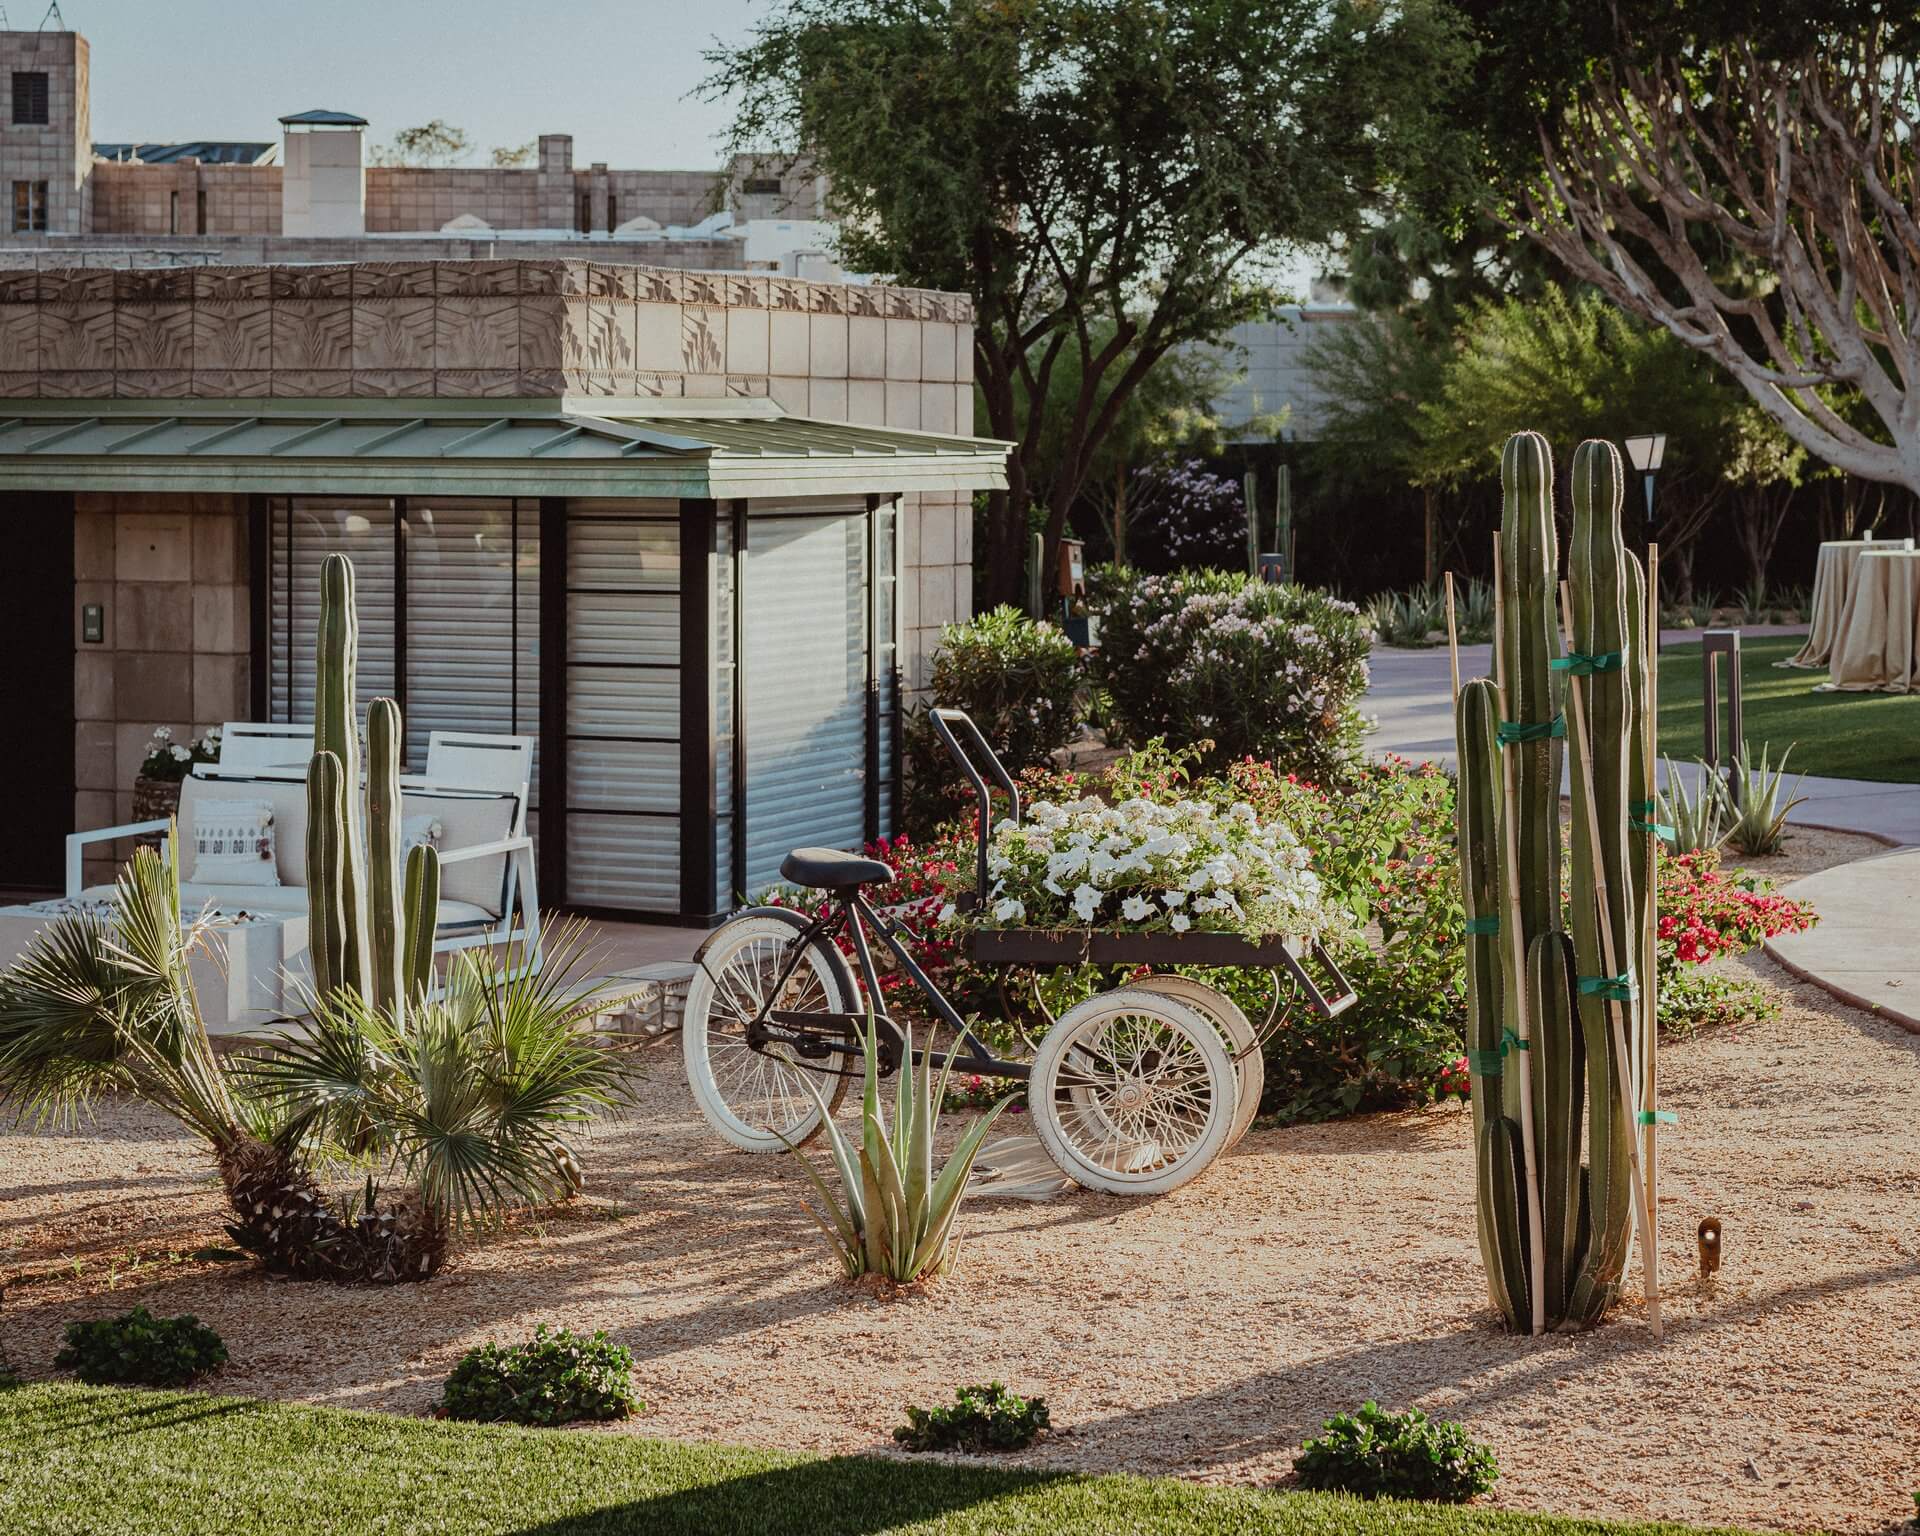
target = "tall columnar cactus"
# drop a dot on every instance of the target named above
(1552, 984)
(371, 925)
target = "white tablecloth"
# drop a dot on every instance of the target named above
(1832, 584)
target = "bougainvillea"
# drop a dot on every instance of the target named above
(1706, 912)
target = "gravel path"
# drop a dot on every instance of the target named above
(1204, 1334)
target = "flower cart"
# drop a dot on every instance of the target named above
(1134, 1090)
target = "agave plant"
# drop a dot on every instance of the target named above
(894, 1213)
(469, 1098)
(1758, 821)
(1406, 618)
(1699, 821)
(1473, 612)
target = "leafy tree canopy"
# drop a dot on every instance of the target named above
(1109, 179)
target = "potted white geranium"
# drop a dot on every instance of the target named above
(156, 790)
(1149, 882)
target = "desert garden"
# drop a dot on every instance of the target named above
(1322, 1029)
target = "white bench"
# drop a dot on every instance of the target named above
(475, 786)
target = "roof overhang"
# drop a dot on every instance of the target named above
(564, 446)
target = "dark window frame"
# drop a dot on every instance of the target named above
(31, 94)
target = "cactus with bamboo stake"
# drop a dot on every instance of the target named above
(372, 918)
(1556, 1019)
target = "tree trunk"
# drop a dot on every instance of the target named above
(1120, 514)
(1426, 532)
(283, 1219)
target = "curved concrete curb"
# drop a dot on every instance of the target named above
(1864, 948)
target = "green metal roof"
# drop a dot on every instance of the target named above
(565, 447)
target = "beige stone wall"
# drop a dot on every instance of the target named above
(134, 199)
(892, 356)
(170, 575)
(60, 152)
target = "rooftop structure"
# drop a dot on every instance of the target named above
(314, 194)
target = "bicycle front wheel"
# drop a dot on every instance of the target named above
(755, 1099)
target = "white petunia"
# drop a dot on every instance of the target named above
(949, 912)
(1009, 910)
(1174, 898)
(1136, 909)
(1086, 901)
(1181, 922)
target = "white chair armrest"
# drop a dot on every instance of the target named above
(77, 842)
(486, 850)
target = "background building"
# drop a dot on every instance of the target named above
(311, 194)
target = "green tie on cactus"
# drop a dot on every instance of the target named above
(371, 927)
(1549, 1073)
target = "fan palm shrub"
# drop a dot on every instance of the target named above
(467, 1100)
(894, 1213)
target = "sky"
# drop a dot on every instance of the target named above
(616, 74)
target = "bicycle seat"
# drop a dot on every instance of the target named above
(828, 869)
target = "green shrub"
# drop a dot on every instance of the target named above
(1377, 1454)
(1262, 671)
(985, 1418)
(556, 1378)
(139, 1349)
(1019, 679)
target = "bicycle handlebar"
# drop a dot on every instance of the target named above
(943, 721)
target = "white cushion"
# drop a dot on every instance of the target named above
(280, 901)
(288, 797)
(466, 821)
(232, 841)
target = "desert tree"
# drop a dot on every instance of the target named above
(1745, 178)
(1110, 180)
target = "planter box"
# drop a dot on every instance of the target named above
(1029, 946)
(1121, 946)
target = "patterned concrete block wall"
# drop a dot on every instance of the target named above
(170, 575)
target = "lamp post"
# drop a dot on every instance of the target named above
(1647, 453)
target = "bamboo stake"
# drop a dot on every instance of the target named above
(1649, 1252)
(1453, 638)
(1650, 1075)
(1523, 1023)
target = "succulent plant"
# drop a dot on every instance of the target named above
(371, 925)
(1559, 1004)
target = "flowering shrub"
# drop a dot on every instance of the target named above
(1706, 912)
(1257, 670)
(1185, 515)
(169, 761)
(1018, 679)
(1454, 1081)
(1143, 864)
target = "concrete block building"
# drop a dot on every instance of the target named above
(313, 192)
(695, 532)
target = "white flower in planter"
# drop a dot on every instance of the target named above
(180, 754)
(1136, 909)
(1181, 922)
(1086, 902)
(1009, 909)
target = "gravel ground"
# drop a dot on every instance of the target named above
(1204, 1334)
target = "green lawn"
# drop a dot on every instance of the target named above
(1839, 735)
(104, 1461)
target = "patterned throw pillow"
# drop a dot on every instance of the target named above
(233, 843)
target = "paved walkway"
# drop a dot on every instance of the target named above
(1865, 949)
(1412, 695)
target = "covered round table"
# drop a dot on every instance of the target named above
(1832, 583)
(1876, 647)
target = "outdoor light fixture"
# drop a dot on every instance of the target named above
(1647, 453)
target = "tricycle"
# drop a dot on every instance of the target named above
(1135, 1090)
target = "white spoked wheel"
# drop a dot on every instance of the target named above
(1243, 1044)
(756, 1099)
(1132, 1092)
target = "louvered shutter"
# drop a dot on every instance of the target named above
(306, 529)
(803, 596)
